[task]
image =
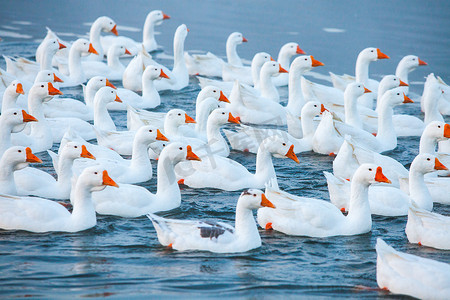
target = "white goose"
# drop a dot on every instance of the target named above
(104, 24)
(154, 18)
(92, 87)
(427, 228)
(405, 66)
(102, 119)
(284, 58)
(35, 182)
(390, 201)
(215, 236)
(138, 168)
(76, 72)
(12, 120)
(431, 98)
(318, 218)
(209, 64)
(244, 74)
(411, 275)
(10, 95)
(13, 159)
(43, 215)
(113, 69)
(150, 97)
(132, 76)
(248, 138)
(133, 201)
(223, 173)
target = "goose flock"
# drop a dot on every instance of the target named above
(351, 119)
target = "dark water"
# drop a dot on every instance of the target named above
(122, 257)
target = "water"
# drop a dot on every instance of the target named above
(122, 257)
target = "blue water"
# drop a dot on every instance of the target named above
(122, 257)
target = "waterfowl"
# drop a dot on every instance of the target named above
(76, 72)
(104, 24)
(244, 74)
(405, 66)
(284, 58)
(113, 69)
(215, 236)
(12, 120)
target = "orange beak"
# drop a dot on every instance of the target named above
(56, 78)
(282, 70)
(187, 29)
(163, 75)
(266, 202)
(52, 90)
(322, 108)
(232, 119)
(19, 89)
(406, 99)
(290, 154)
(191, 155)
(85, 153)
(189, 119)
(316, 63)
(61, 46)
(402, 83)
(28, 117)
(271, 59)
(160, 136)
(108, 83)
(299, 51)
(107, 180)
(422, 63)
(127, 52)
(379, 176)
(244, 40)
(381, 55)
(438, 165)
(447, 131)
(118, 99)
(31, 158)
(92, 50)
(165, 17)
(366, 90)
(223, 98)
(114, 30)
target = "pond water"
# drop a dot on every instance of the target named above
(122, 257)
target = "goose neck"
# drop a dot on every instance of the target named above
(178, 53)
(431, 109)
(307, 121)
(139, 155)
(427, 144)
(83, 214)
(264, 164)
(245, 225)
(94, 38)
(102, 119)
(296, 100)
(402, 72)
(167, 186)
(418, 190)
(7, 182)
(65, 171)
(148, 35)
(232, 56)
(386, 133)
(216, 141)
(362, 70)
(113, 60)
(267, 87)
(149, 92)
(46, 62)
(284, 58)
(76, 72)
(359, 213)
(9, 100)
(351, 111)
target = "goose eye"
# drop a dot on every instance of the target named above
(42, 86)
(54, 42)
(395, 79)
(179, 114)
(371, 50)
(15, 113)
(101, 79)
(84, 43)
(439, 126)
(95, 173)
(274, 65)
(48, 74)
(284, 144)
(181, 148)
(150, 130)
(254, 195)
(398, 94)
(370, 169)
(223, 113)
(315, 105)
(414, 59)
(306, 59)
(14, 84)
(110, 23)
(112, 92)
(75, 147)
(156, 69)
(214, 91)
(20, 151)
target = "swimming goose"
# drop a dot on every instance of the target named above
(12, 120)
(104, 24)
(244, 74)
(405, 66)
(302, 216)
(76, 72)
(43, 215)
(10, 95)
(154, 18)
(113, 69)
(407, 274)
(216, 237)
(284, 58)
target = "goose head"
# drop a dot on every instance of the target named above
(411, 62)
(395, 97)
(106, 24)
(153, 72)
(222, 116)
(95, 179)
(148, 134)
(372, 54)
(157, 17)
(211, 91)
(106, 94)
(19, 157)
(178, 152)
(74, 150)
(260, 58)
(236, 38)
(425, 163)
(97, 82)
(177, 117)
(16, 119)
(291, 49)
(312, 109)
(437, 130)
(117, 50)
(84, 47)
(279, 147)
(44, 91)
(47, 76)
(272, 68)
(367, 174)
(254, 199)
(14, 89)
(355, 90)
(304, 64)
(52, 45)
(389, 82)
(181, 32)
